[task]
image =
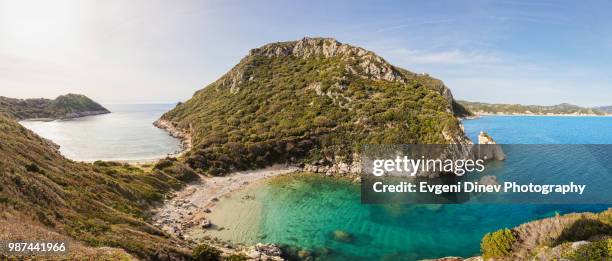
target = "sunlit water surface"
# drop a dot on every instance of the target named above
(125, 134)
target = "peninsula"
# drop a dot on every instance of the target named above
(63, 107)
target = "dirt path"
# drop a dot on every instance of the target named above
(189, 207)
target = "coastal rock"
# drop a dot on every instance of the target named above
(488, 149)
(264, 252)
(336, 166)
(484, 138)
(176, 132)
(206, 223)
(269, 249)
(488, 180)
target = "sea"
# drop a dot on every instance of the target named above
(125, 134)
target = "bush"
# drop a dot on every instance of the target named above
(236, 257)
(32, 168)
(599, 250)
(584, 229)
(206, 253)
(164, 163)
(497, 244)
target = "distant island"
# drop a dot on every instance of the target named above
(63, 107)
(481, 108)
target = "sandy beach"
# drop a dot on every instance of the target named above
(188, 209)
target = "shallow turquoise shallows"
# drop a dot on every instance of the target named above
(324, 216)
(125, 134)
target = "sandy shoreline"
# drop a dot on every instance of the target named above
(188, 209)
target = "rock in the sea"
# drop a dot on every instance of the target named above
(488, 180)
(488, 149)
(303, 254)
(342, 236)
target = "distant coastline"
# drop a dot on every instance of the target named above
(479, 115)
(564, 109)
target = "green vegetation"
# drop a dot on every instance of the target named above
(206, 253)
(101, 204)
(564, 108)
(296, 102)
(497, 244)
(598, 250)
(65, 106)
(552, 238)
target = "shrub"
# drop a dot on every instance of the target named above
(497, 244)
(599, 250)
(206, 253)
(584, 229)
(236, 257)
(32, 167)
(164, 163)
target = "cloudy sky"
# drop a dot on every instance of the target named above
(117, 51)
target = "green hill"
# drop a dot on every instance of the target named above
(100, 204)
(65, 106)
(509, 109)
(308, 100)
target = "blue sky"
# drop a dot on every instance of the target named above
(533, 52)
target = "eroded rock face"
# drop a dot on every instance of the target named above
(360, 61)
(484, 138)
(489, 149)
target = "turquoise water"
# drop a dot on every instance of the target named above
(125, 134)
(304, 212)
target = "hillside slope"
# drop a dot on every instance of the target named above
(509, 109)
(101, 204)
(62, 107)
(576, 236)
(311, 100)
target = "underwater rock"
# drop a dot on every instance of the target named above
(342, 236)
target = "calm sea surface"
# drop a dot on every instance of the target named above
(125, 134)
(306, 211)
